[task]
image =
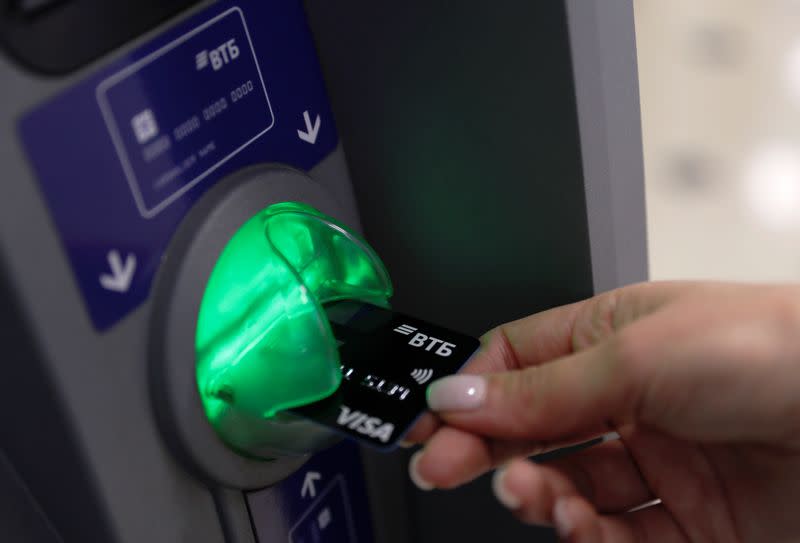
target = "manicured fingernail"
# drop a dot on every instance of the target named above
(502, 492)
(561, 518)
(413, 472)
(457, 393)
(405, 444)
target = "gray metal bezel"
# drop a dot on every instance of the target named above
(605, 69)
(180, 284)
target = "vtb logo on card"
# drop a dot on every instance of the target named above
(384, 380)
(419, 339)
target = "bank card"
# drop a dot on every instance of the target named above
(388, 359)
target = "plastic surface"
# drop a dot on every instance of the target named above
(263, 341)
(323, 502)
(116, 213)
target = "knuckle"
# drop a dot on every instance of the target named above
(496, 351)
(786, 314)
(523, 388)
(507, 356)
(625, 353)
(627, 367)
(632, 353)
(597, 322)
(533, 513)
(785, 354)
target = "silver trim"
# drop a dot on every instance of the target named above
(603, 41)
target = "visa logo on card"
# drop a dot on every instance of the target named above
(388, 359)
(365, 424)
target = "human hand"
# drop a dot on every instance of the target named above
(701, 381)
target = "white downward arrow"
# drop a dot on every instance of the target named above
(308, 484)
(119, 280)
(310, 135)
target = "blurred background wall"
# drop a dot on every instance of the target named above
(720, 89)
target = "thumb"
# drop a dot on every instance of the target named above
(586, 392)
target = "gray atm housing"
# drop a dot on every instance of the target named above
(494, 153)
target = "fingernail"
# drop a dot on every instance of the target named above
(413, 472)
(501, 491)
(457, 393)
(405, 444)
(561, 518)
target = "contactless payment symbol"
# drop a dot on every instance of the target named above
(422, 376)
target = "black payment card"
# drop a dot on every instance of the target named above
(388, 359)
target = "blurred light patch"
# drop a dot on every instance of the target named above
(717, 45)
(772, 186)
(792, 71)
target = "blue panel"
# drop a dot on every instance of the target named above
(324, 502)
(122, 156)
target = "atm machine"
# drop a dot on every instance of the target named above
(467, 163)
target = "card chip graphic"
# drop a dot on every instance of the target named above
(144, 126)
(173, 96)
(405, 329)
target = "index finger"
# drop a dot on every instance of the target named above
(560, 332)
(529, 341)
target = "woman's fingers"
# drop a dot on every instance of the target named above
(546, 495)
(453, 457)
(575, 395)
(459, 457)
(605, 474)
(530, 492)
(576, 521)
(556, 333)
(424, 428)
(495, 355)
(708, 368)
